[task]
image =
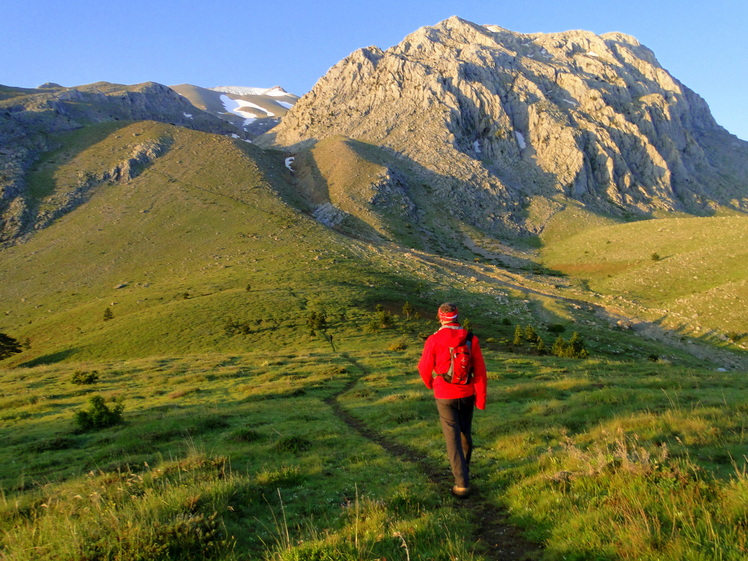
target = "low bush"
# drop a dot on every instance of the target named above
(84, 378)
(99, 415)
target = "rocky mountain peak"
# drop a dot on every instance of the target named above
(507, 117)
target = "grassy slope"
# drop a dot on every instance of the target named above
(689, 272)
(221, 427)
(183, 242)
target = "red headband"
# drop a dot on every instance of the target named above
(448, 317)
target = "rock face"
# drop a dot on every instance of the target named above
(502, 119)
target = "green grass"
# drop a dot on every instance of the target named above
(597, 459)
(240, 457)
(224, 457)
(230, 448)
(696, 278)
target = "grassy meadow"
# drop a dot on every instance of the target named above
(188, 300)
(240, 456)
(688, 273)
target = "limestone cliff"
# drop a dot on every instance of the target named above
(500, 119)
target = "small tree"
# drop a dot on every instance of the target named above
(573, 348)
(530, 334)
(385, 318)
(540, 346)
(467, 325)
(8, 346)
(108, 314)
(407, 310)
(518, 335)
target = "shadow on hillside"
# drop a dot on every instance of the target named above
(705, 346)
(429, 213)
(52, 358)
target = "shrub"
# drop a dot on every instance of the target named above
(108, 314)
(84, 378)
(293, 444)
(234, 327)
(99, 415)
(245, 435)
(573, 348)
(398, 344)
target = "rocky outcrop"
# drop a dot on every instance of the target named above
(30, 119)
(499, 118)
(65, 200)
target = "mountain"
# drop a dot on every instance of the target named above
(378, 187)
(32, 119)
(254, 110)
(508, 130)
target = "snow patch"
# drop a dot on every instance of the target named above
(285, 104)
(275, 91)
(476, 147)
(188, 115)
(289, 161)
(520, 140)
(239, 106)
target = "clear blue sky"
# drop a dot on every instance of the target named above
(292, 43)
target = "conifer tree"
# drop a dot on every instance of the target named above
(518, 334)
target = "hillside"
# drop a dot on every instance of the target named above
(688, 274)
(209, 237)
(31, 119)
(174, 248)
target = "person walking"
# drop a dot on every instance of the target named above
(454, 402)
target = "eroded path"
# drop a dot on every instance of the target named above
(496, 538)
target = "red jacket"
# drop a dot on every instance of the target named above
(435, 359)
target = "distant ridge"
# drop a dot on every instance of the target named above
(275, 91)
(253, 110)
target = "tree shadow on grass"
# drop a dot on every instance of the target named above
(51, 358)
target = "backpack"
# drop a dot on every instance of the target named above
(460, 363)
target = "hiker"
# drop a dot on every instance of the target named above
(454, 401)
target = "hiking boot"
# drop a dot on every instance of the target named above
(460, 491)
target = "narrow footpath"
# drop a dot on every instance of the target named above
(496, 538)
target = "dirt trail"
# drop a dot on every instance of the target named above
(496, 537)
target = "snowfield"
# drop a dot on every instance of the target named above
(235, 106)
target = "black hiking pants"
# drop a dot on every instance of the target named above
(456, 417)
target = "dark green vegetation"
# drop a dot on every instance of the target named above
(217, 324)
